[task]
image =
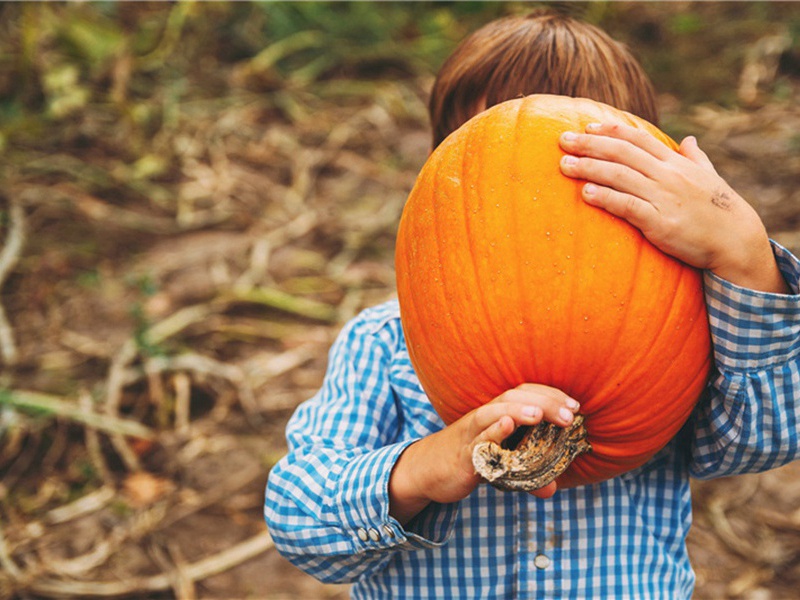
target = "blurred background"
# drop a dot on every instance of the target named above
(196, 196)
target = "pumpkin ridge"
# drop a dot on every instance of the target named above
(473, 261)
(453, 326)
(409, 312)
(652, 344)
(424, 336)
(520, 290)
(703, 368)
(615, 347)
(677, 421)
(479, 127)
(656, 383)
(574, 285)
(580, 242)
(680, 350)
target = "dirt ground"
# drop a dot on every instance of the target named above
(166, 309)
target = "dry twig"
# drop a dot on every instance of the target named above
(6, 561)
(9, 256)
(92, 439)
(217, 563)
(118, 375)
(72, 411)
(275, 298)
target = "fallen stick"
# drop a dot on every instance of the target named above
(8, 260)
(8, 564)
(207, 567)
(93, 446)
(280, 300)
(115, 381)
(55, 405)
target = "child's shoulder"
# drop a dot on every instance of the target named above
(378, 324)
(375, 318)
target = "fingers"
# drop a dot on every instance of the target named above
(519, 414)
(620, 163)
(619, 156)
(639, 213)
(497, 432)
(617, 135)
(547, 491)
(556, 406)
(528, 404)
(614, 175)
(691, 150)
(639, 155)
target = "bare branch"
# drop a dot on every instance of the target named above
(9, 257)
(66, 409)
(207, 567)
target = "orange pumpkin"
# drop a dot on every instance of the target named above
(506, 276)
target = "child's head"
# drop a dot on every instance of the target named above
(541, 53)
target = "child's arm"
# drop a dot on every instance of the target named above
(677, 199)
(327, 498)
(438, 468)
(751, 421)
(330, 505)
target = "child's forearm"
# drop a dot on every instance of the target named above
(438, 468)
(406, 499)
(756, 270)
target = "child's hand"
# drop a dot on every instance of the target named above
(677, 199)
(439, 468)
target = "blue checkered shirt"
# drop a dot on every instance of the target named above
(327, 504)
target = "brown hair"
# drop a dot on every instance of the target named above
(540, 53)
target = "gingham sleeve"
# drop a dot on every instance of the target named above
(751, 420)
(327, 501)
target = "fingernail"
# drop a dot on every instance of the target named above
(531, 411)
(565, 414)
(573, 404)
(569, 136)
(589, 189)
(570, 161)
(593, 127)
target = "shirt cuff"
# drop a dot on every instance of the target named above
(750, 329)
(363, 504)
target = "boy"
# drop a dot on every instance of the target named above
(375, 490)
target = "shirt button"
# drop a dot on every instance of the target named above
(541, 561)
(389, 531)
(362, 534)
(374, 535)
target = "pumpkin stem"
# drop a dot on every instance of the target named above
(544, 453)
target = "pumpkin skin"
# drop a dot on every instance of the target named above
(506, 276)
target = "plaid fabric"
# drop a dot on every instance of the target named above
(327, 504)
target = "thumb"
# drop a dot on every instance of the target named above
(497, 431)
(547, 491)
(691, 150)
